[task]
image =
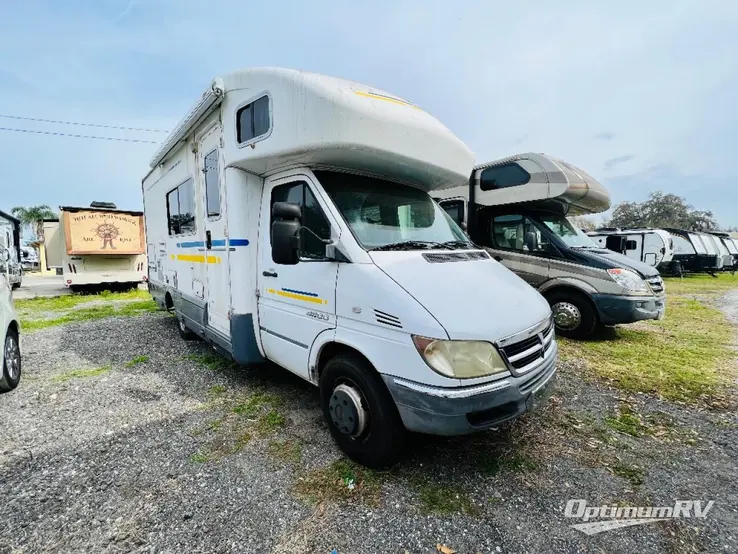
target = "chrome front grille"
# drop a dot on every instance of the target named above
(656, 283)
(526, 354)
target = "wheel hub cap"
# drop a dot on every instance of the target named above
(347, 412)
(566, 315)
(12, 357)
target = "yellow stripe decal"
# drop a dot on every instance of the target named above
(197, 258)
(386, 99)
(294, 296)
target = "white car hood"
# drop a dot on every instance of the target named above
(471, 299)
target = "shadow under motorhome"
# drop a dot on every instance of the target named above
(288, 219)
(654, 247)
(517, 209)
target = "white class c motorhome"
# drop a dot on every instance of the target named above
(517, 209)
(288, 219)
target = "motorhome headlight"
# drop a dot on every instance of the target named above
(629, 280)
(460, 359)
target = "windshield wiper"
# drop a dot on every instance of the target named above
(410, 245)
(459, 244)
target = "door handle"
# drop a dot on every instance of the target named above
(269, 273)
(498, 258)
(208, 240)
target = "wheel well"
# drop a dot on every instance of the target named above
(333, 349)
(573, 291)
(13, 326)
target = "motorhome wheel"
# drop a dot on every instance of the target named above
(184, 332)
(11, 370)
(360, 412)
(573, 314)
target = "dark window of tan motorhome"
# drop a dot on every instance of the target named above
(503, 176)
(253, 120)
(313, 217)
(455, 209)
(181, 209)
(212, 190)
(508, 232)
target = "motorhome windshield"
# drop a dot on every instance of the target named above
(388, 216)
(566, 231)
(699, 246)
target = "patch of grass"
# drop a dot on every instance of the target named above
(683, 357)
(515, 462)
(701, 284)
(632, 473)
(217, 390)
(341, 481)
(199, 458)
(86, 314)
(212, 361)
(627, 422)
(255, 403)
(137, 360)
(82, 373)
(444, 500)
(288, 450)
(57, 303)
(242, 440)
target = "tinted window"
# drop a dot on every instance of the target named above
(253, 119)
(181, 209)
(313, 217)
(212, 189)
(508, 232)
(503, 176)
(455, 209)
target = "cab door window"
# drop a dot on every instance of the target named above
(313, 218)
(508, 232)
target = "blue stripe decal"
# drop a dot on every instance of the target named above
(217, 242)
(293, 291)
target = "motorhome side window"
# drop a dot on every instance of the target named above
(181, 209)
(212, 188)
(313, 217)
(455, 209)
(508, 232)
(503, 176)
(252, 120)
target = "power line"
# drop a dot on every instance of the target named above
(82, 124)
(76, 136)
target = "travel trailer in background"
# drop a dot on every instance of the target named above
(731, 245)
(726, 256)
(288, 218)
(691, 252)
(654, 247)
(97, 246)
(517, 208)
(10, 240)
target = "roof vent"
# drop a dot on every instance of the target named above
(103, 205)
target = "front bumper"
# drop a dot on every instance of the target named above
(464, 410)
(613, 309)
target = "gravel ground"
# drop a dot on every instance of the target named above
(176, 453)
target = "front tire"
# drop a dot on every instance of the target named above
(11, 370)
(360, 412)
(184, 331)
(574, 315)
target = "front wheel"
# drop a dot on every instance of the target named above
(360, 412)
(574, 315)
(11, 370)
(184, 331)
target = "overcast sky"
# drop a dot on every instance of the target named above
(641, 94)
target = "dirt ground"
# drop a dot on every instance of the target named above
(124, 438)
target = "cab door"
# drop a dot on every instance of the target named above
(216, 285)
(506, 243)
(296, 302)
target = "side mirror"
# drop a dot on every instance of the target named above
(462, 224)
(531, 241)
(285, 229)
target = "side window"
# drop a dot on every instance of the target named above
(253, 120)
(313, 217)
(503, 176)
(509, 231)
(181, 209)
(455, 209)
(212, 188)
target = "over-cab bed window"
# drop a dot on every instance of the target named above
(252, 120)
(503, 176)
(181, 209)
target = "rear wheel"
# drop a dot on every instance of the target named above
(360, 412)
(11, 370)
(184, 331)
(573, 313)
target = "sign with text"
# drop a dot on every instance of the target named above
(99, 232)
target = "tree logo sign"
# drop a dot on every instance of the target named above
(107, 232)
(100, 232)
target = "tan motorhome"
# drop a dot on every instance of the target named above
(97, 246)
(517, 208)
